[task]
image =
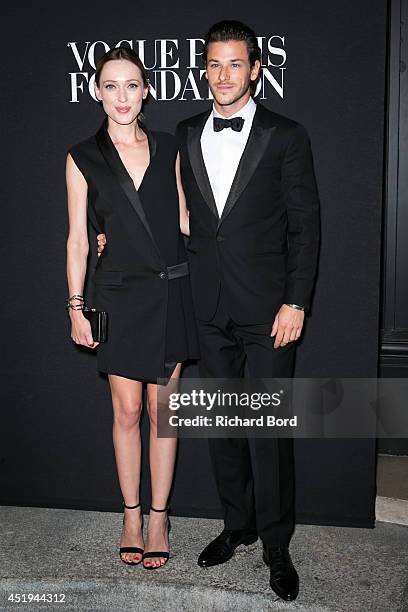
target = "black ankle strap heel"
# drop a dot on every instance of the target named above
(131, 549)
(158, 553)
(131, 507)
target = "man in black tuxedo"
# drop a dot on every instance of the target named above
(253, 208)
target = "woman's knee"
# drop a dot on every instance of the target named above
(127, 413)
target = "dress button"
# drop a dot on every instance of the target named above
(220, 238)
(163, 275)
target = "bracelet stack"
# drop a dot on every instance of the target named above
(79, 305)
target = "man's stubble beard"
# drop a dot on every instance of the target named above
(235, 99)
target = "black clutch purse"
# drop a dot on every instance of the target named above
(99, 323)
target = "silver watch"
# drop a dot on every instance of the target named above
(295, 306)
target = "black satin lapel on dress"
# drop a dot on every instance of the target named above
(112, 158)
(152, 142)
(198, 165)
(255, 148)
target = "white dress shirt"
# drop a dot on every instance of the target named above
(223, 150)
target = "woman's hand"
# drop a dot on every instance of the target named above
(101, 238)
(81, 332)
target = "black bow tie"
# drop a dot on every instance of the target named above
(236, 123)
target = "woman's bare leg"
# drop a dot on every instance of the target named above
(162, 455)
(127, 406)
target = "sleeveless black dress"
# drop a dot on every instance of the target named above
(141, 278)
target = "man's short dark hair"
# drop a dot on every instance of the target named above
(233, 30)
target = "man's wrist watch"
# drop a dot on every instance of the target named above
(295, 306)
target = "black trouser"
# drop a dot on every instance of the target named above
(254, 476)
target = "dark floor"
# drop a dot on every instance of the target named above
(75, 553)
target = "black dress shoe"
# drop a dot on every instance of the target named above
(222, 548)
(284, 580)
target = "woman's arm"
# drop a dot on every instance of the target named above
(184, 220)
(77, 249)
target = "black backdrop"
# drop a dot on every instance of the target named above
(56, 447)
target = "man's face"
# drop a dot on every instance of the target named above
(229, 72)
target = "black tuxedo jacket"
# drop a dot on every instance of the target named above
(263, 250)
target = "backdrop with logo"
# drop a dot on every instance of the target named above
(323, 65)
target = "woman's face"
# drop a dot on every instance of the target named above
(121, 90)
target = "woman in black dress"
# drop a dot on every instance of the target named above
(124, 179)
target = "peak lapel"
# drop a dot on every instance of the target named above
(255, 148)
(197, 162)
(113, 160)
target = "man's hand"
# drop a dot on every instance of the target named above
(287, 326)
(101, 238)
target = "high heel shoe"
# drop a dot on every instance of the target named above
(131, 549)
(154, 553)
